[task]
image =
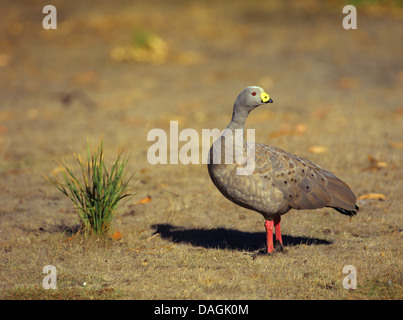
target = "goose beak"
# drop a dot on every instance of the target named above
(265, 98)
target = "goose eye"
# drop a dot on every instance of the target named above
(253, 93)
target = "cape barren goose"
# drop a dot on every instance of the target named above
(278, 182)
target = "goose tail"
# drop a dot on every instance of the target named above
(350, 213)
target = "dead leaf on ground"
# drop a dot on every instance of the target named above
(374, 164)
(396, 145)
(116, 236)
(373, 196)
(144, 200)
(300, 128)
(317, 149)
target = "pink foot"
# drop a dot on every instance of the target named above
(269, 235)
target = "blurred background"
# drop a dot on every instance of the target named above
(130, 63)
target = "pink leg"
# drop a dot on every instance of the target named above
(278, 245)
(277, 222)
(269, 232)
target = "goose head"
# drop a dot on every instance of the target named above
(252, 97)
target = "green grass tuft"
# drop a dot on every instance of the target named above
(97, 195)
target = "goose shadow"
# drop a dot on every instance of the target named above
(222, 238)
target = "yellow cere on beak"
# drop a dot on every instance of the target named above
(265, 97)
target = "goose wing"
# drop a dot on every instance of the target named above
(303, 184)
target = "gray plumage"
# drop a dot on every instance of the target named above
(280, 181)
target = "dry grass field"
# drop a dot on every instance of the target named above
(338, 101)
